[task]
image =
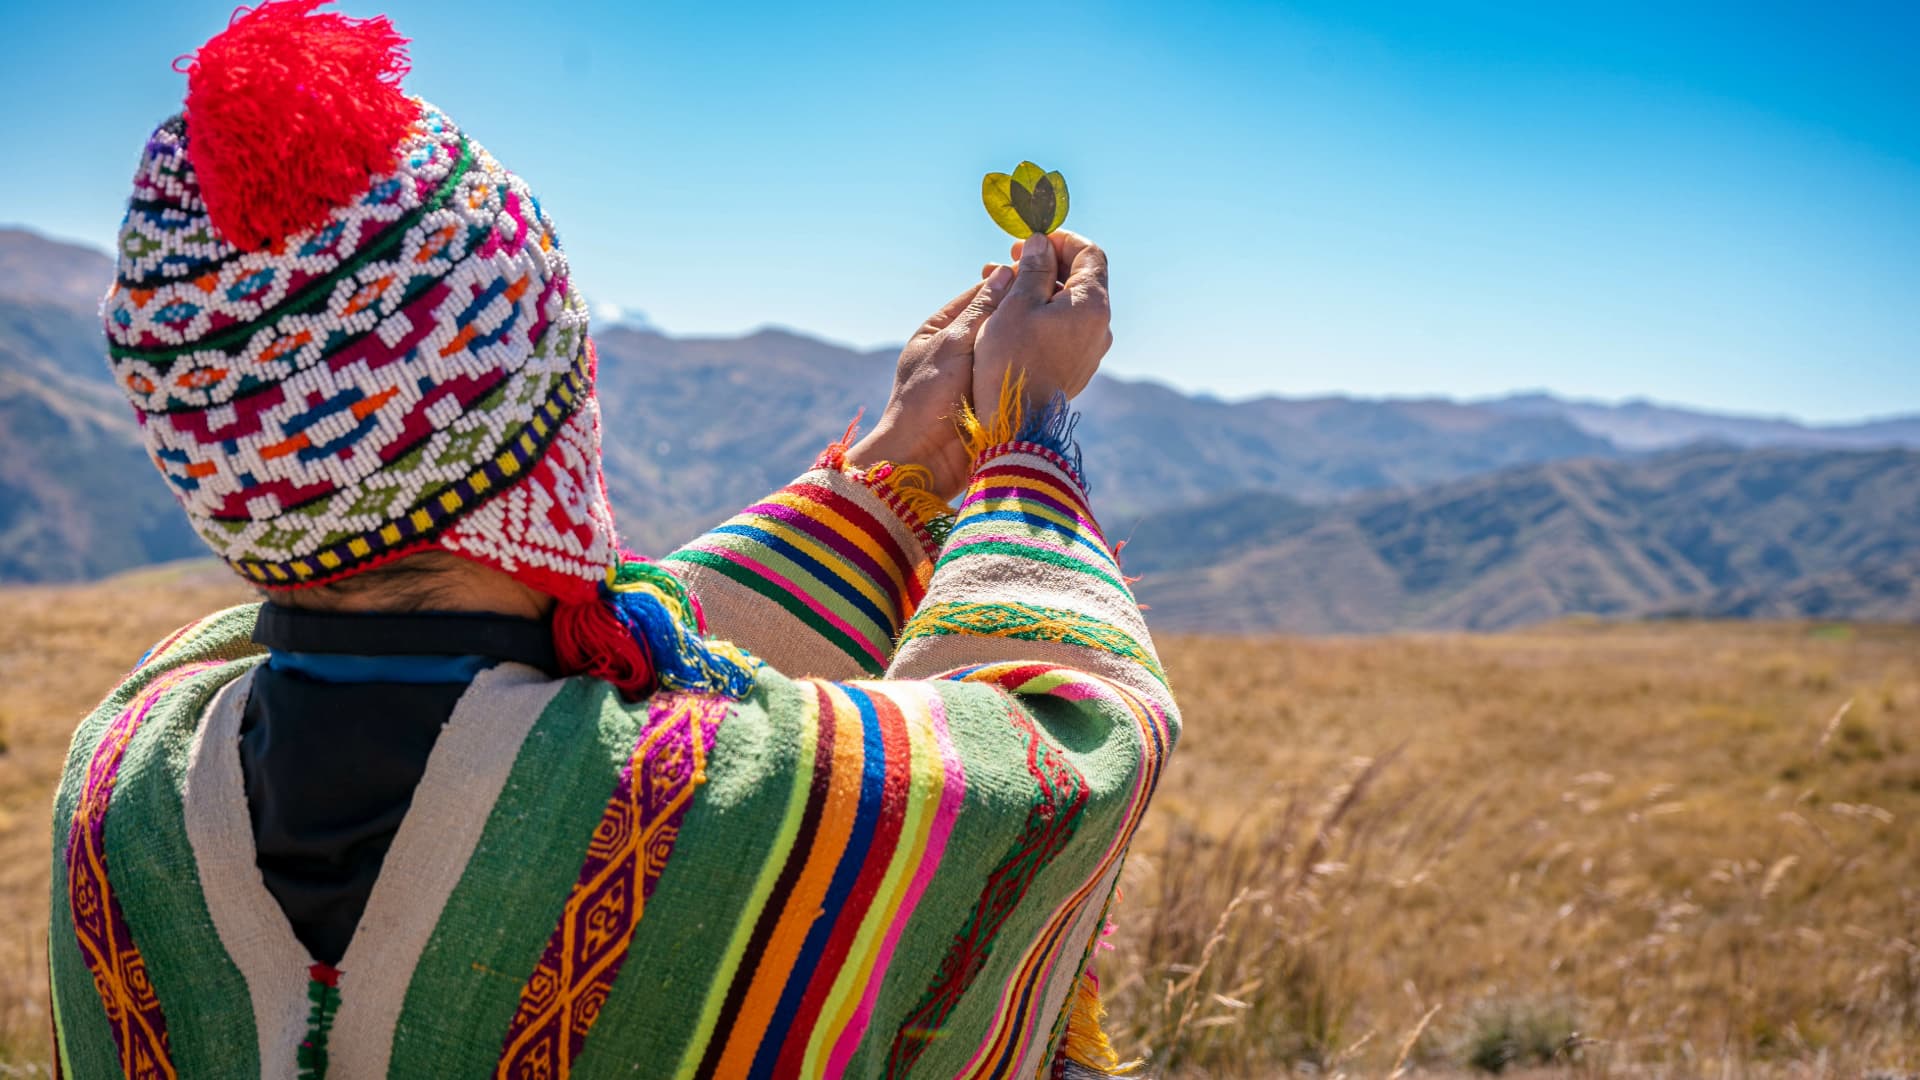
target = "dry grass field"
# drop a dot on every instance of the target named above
(1591, 850)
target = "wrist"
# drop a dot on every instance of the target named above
(1029, 418)
(943, 456)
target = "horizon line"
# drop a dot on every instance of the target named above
(650, 325)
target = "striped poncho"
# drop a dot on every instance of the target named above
(891, 856)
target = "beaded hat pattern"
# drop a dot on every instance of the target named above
(348, 333)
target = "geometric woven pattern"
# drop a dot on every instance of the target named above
(119, 971)
(1030, 622)
(628, 851)
(554, 528)
(348, 394)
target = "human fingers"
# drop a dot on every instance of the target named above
(952, 308)
(1033, 283)
(1064, 246)
(1086, 280)
(988, 269)
(986, 297)
(1070, 246)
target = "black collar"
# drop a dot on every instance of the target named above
(431, 633)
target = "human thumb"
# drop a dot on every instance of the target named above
(985, 299)
(995, 290)
(1034, 281)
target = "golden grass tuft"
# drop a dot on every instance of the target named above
(1642, 849)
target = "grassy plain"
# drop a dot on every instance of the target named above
(1588, 849)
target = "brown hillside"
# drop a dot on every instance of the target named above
(1767, 533)
(39, 269)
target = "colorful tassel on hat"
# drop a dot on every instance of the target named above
(645, 631)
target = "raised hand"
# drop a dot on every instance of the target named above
(1053, 326)
(931, 384)
(1046, 318)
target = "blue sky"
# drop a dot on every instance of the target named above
(1716, 205)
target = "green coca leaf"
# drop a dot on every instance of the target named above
(1027, 201)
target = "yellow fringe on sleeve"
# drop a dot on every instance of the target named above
(1085, 1042)
(1006, 421)
(910, 486)
(913, 486)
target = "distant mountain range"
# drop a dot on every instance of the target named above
(78, 496)
(1277, 513)
(1643, 425)
(37, 270)
(698, 426)
(1775, 532)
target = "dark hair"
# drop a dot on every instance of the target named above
(423, 582)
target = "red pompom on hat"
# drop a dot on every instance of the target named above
(289, 113)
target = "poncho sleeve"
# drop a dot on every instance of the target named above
(1025, 573)
(818, 578)
(1033, 720)
(834, 574)
(1052, 688)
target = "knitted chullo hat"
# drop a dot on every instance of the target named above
(350, 336)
